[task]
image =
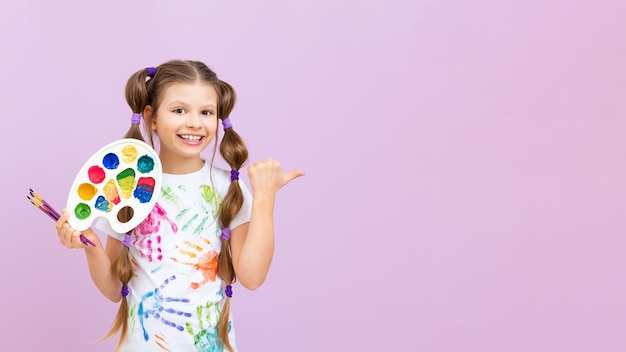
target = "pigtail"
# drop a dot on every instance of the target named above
(136, 97)
(123, 269)
(235, 153)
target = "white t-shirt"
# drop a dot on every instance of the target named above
(176, 296)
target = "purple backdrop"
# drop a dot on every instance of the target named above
(465, 165)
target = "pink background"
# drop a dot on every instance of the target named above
(465, 165)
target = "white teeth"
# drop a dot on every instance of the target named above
(191, 138)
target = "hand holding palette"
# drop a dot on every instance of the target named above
(120, 178)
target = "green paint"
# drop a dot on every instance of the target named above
(201, 226)
(212, 198)
(126, 180)
(181, 214)
(82, 211)
(189, 222)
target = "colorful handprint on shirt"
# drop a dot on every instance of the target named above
(207, 339)
(206, 262)
(212, 198)
(148, 238)
(155, 305)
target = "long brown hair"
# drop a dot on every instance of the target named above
(143, 89)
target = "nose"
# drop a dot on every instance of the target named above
(193, 120)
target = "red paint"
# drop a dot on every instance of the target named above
(148, 181)
(96, 174)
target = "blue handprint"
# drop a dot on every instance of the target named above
(157, 309)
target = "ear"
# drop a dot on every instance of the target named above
(148, 118)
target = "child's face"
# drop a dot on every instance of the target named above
(186, 122)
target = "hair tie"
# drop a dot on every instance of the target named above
(234, 175)
(226, 123)
(151, 71)
(229, 290)
(126, 241)
(125, 291)
(225, 234)
(135, 119)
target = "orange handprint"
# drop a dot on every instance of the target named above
(206, 263)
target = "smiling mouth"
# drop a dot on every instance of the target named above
(190, 138)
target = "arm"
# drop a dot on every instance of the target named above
(252, 244)
(99, 259)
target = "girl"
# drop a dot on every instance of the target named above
(173, 272)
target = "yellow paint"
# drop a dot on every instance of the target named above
(86, 191)
(126, 180)
(129, 154)
(126, 186)
(110, 192)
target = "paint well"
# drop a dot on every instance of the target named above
(82, 211)
(129, 154)
(145, 164)
(103, 204)
(145, 189)
(96, 174)
(126, 180)
(125, 214)
(86, 191)
(111, 161)
(110, 192)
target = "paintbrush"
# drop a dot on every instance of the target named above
(44, 206)
(41, 207)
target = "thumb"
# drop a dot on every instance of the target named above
(288, 177)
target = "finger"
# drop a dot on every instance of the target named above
(77, 240)
(73, 239)
(62, 220)
(293, 175)
(64, 236)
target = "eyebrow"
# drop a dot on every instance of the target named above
(178, 102)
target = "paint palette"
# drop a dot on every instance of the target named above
(117, 183)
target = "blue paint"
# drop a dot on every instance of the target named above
(155, 308)
(143, 193)
(103, 204)
(174, 299)
(111, 161)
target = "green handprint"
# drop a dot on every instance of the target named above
(206, 340)
(212, 198)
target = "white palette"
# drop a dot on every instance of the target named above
(125, 174)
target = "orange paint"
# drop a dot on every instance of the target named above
(86, 191)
